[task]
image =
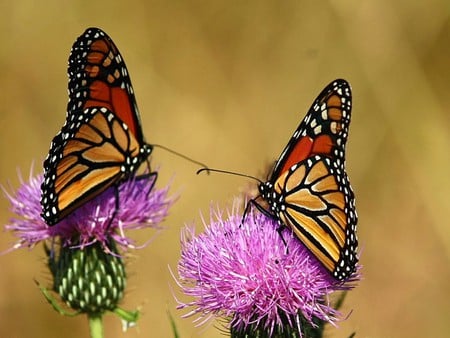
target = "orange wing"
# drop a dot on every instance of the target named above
(323, 131)
(101, 141)
(98, 77)
(320, 211)
(309, 191)
(86, 164)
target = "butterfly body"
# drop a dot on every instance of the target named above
(101, 142)
(309, 191)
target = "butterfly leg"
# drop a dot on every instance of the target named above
(254, 203)
(116, 205)
(266, 213)
(280, 232)
(247, 209)
(151, 175)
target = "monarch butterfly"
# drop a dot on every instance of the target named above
(308, 189)
(101, 142)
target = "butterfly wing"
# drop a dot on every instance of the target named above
(309, 190)
(319, 206)
(323, 131)
(86, 158)
(98, 77)
(101, 141)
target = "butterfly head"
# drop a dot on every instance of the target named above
(265, 189)
(146, 150)
(274, 199)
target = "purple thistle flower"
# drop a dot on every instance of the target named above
(248, 274)
(141, 206)
(83, 249)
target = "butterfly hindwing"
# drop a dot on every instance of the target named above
(87, 158)
(319, 208)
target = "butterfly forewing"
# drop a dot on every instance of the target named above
(98, 77)
(324, 129)
(309, 191)
(101, 142)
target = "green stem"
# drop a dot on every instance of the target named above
(96, 325)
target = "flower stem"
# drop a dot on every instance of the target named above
(96, 325)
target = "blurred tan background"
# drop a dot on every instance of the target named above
(227, 82)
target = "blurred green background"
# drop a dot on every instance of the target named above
(227, 82)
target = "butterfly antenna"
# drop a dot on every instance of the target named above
(205, 167)
(210, 170)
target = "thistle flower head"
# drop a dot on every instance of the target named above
(140, 206)
(83, 256)
(249, 273)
